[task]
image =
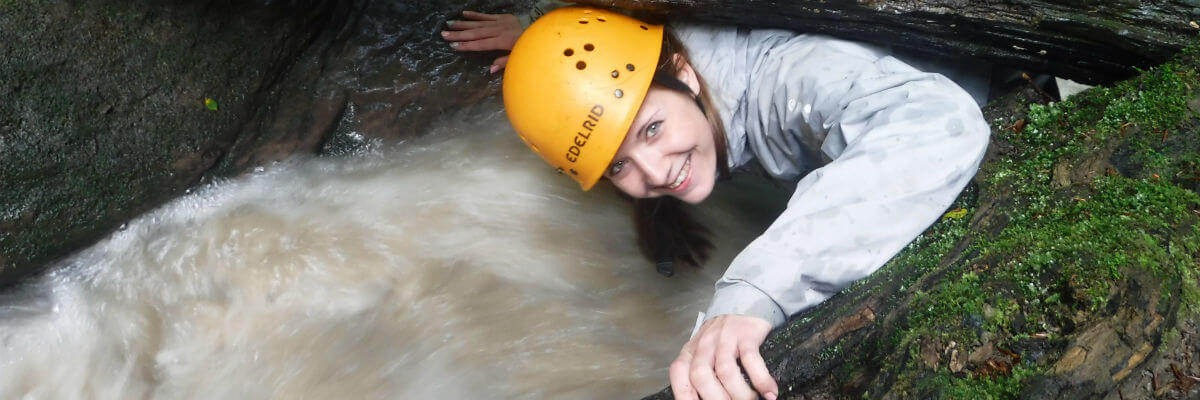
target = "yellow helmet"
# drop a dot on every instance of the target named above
(573, 83)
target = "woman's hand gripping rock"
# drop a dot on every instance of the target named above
(708, 364)
(481, 32)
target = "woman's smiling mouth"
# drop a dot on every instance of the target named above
(683, 178)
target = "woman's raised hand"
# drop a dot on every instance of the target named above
(482, 32)
(708, 364)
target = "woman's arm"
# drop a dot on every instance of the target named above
(903, 144)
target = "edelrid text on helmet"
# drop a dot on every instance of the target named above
(574, 82)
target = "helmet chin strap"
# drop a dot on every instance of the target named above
(669, 81)
(665, 256)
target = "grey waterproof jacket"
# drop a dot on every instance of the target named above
(880, 150)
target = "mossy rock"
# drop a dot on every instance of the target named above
(1073, 272)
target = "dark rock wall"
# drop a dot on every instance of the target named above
(1088, 41)
(382, 72)
(103, 113)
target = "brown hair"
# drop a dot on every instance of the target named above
(666, 231)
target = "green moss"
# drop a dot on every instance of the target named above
(1079, 246)
(954, 301)
(984, 388)
(999, 318)
(1069, 238)
(832, 352)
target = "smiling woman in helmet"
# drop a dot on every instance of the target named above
(878, 149)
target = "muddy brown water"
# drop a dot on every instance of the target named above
(453, 266)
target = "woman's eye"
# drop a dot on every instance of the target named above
(616, 168)
(652, 130)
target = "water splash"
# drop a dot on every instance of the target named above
(453, 266)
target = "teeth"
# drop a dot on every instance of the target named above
(683, 173)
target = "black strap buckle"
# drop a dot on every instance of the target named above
(666, 268)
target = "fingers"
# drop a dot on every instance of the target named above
(483, 32)
(464, 25)
(498, 64)
(478, 16)
(496, 43)
(756, 368)
(701, 373)
(728, 371)
(470, 34)
(681, 384)
(708, 365)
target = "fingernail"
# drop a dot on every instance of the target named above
(450, 23)
(770, 396)
(454, 45)
(444, 33)
(492, 69)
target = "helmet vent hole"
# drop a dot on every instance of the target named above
(568, 52)
(583, 21)
(601, 19)
(619, 93)
(615, 73)
(589, 47)
(580, 65)
(629, 67)
(644, 28)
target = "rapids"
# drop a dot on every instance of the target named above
(456, 265)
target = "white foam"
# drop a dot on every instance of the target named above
(453, 266)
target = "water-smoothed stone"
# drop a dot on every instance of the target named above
(108, 109)
(103, 111)
(382, 74)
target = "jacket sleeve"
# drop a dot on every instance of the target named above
(899, 144)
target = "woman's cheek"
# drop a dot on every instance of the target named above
(625, 186)
(704, 183)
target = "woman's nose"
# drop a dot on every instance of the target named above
(652, 165)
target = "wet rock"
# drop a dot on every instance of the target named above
(1092, 42)
(930, 355)
(1073, 358)
(104, 111)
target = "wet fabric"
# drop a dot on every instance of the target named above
(879, 149)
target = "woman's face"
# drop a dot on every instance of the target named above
(669, 149)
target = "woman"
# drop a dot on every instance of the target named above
(879, 148)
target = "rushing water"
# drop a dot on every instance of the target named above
(452, 266)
